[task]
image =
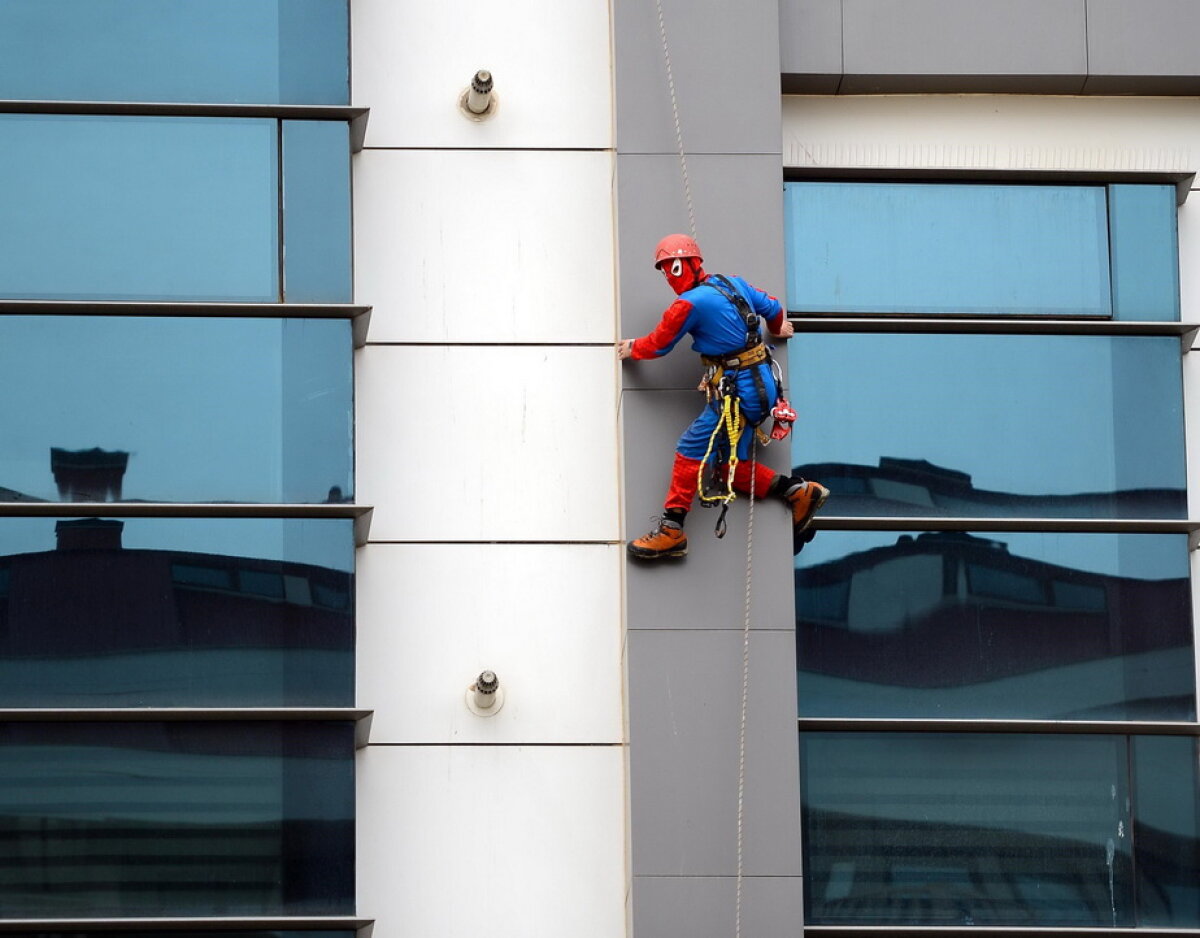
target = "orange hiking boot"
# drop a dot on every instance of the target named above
(806, 499)
(666, 540)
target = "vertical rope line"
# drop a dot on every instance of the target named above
(687, 189)
(741, 786)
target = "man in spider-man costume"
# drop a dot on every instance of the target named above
(722, 315)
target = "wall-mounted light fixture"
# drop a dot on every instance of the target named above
(479, 100)
(485, 697)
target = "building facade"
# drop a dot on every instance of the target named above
(314, 416)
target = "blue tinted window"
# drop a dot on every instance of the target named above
(236, 51)
(1145, 252)
(176, 612)
(145, 208)
(174, 819)
(990, 426)
(986, 829)
(316, 212)
(980, 829)
(995, 626)
(942, 248)
(175, 409)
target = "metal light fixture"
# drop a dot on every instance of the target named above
(485, 697)
(479, 101)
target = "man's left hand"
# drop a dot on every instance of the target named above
(786, 331)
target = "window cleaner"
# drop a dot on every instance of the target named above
(724, 317)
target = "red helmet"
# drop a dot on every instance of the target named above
(676, 245)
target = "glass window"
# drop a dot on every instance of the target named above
(207, 51)
(145, 208)
(176, 612)
(176, 819)
(947, 248)
(1143, 226)
(167, 409)
(974, 829)
(992, 425)
(173, 209)
(995, 626)
(1167, 847)
(316, 217)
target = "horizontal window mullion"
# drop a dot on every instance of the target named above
(360, 513)
(921, 725)
(976, 324)
(189, 924)
(359, 315)
(355, 116)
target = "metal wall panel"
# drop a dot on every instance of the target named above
(1148, 47)
(884, 42)
(810, 33)
(725, 65)
(465, 443)
(550, 63)
(466, 246)
(705, 906)
(687, 687)
(453, 840)
(545, 617)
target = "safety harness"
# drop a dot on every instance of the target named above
(720, 384)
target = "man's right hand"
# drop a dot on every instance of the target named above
(624, 349)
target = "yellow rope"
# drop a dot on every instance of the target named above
(732, 422)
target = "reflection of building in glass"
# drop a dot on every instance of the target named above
(93, 623)
(88, 475)
(952, 624)
(918, 487)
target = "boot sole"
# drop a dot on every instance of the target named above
(802, 525)
(642, 554)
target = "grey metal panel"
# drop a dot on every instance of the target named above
(725, 64)
(704, 907)
(810, 45)
(685, 692)
(738, 202)
(1150, 38)
(706, 589)
(1031, 38)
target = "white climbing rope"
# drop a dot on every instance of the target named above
(741, 785)
(687, 189)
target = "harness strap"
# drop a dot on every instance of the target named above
(722, 285)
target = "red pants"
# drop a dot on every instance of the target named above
(685, 477)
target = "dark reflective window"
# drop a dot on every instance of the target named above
(178, 612)
(211, 51)
(175, 409)
(975, 829)
(995, 625)
(1167, 847)
(189, 933)
(992, 426)
(170, 819)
